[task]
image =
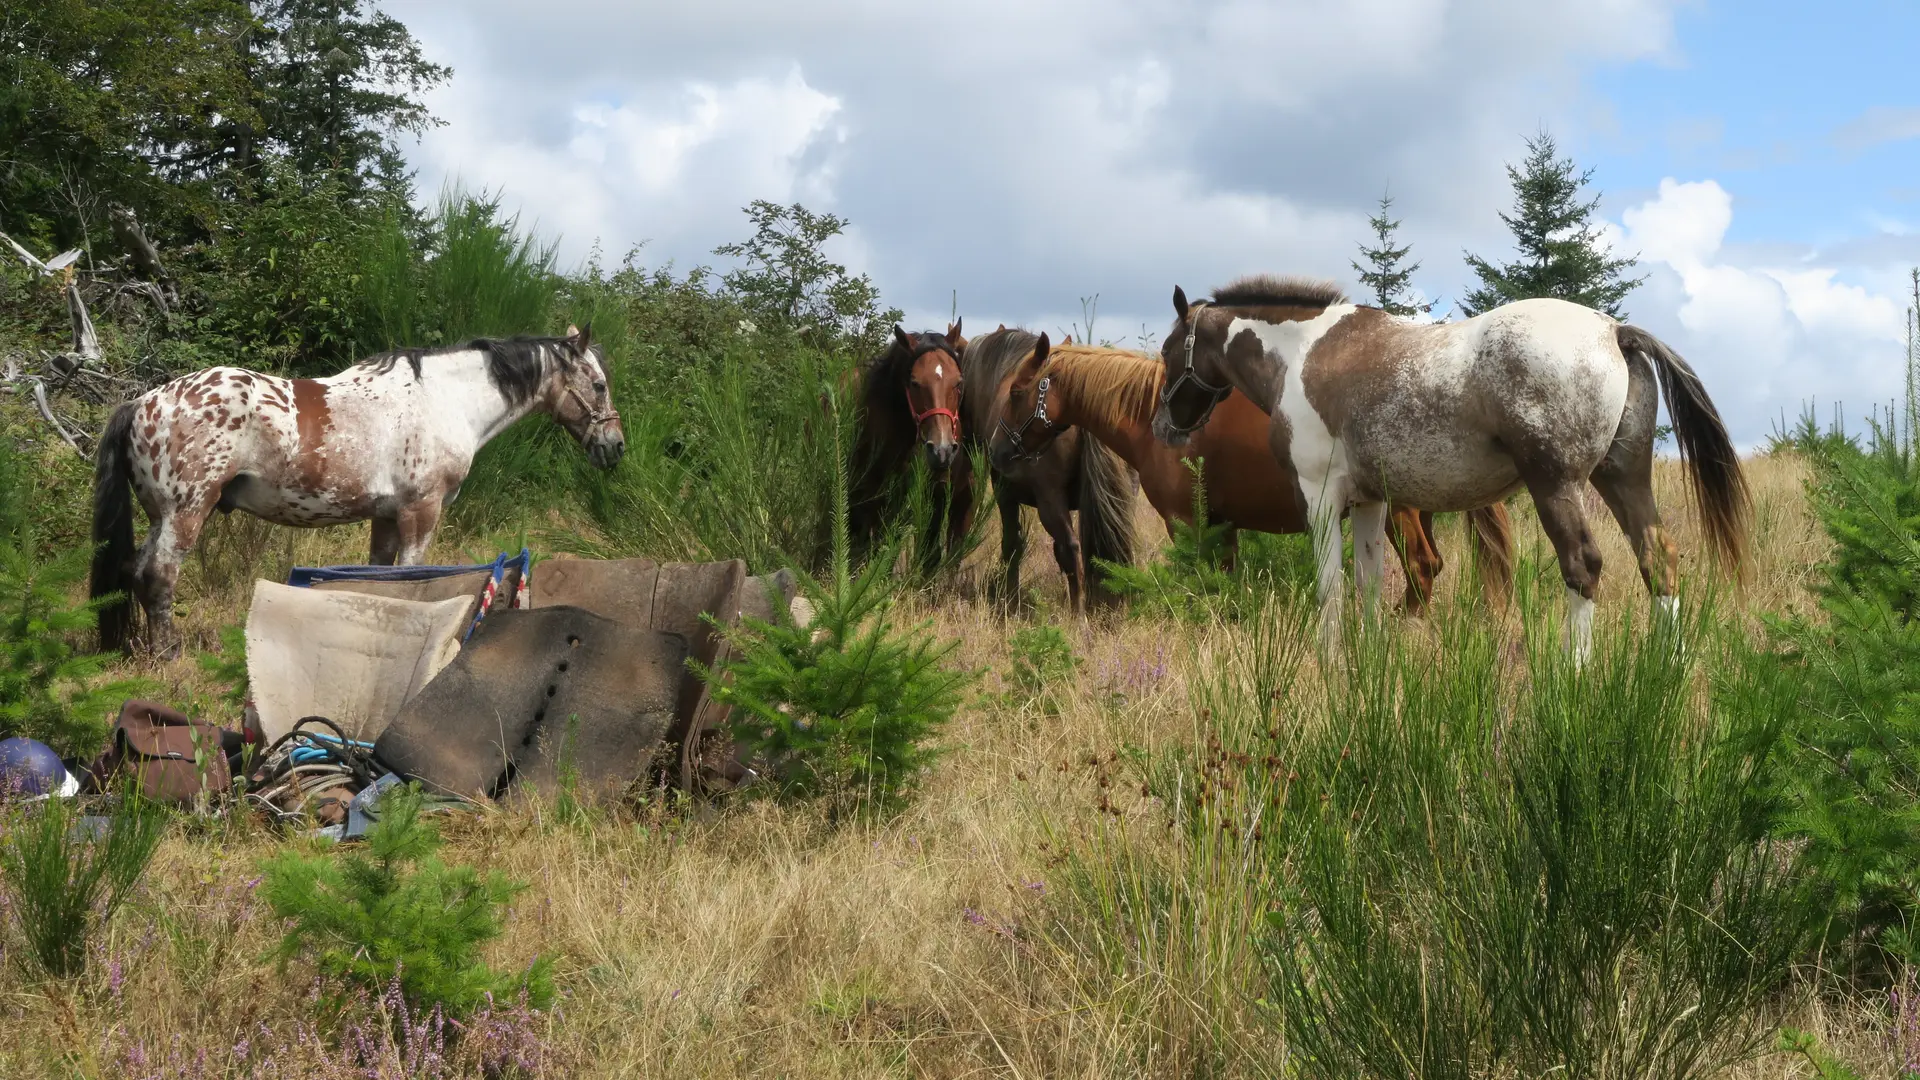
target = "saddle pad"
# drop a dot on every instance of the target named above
(466, 586)
(502, 708)
(351, 657)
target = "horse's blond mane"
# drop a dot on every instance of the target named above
(1114, 387)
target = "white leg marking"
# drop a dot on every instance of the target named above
(1666, 620)
(1323, 516)
(1579, 627)
(1369, 551)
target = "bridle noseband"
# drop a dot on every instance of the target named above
(595, 417)
(1017, 436)
(1216, 394)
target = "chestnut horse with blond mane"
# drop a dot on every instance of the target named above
(1540, 394)
(1112, 393)
(389, 439)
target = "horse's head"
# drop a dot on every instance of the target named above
(1023, 430)
(580, 399)
(933, 392)
(1195, 357)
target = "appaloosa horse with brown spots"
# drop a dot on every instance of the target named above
(1541, 394)
(389, 439)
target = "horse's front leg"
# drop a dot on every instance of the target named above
(415, 525)
(1370, 551)
(385, 549)
(1057, 519)
(1013, 543)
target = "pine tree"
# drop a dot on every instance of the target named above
(1390, 282)
(1559, 247)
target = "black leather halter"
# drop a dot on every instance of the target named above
(1216, 394)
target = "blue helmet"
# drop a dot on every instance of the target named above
(29, 767)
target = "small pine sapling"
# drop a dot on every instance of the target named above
(393, 909)
(846, 706)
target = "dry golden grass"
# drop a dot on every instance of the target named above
(755, 941)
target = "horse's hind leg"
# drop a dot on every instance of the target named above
(1411, 532)
(1624, 479)
(1565, 523)
(157, 572)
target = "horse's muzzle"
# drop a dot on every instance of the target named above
(605, 452)
(940, 455)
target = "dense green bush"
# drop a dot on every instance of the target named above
(393, 909)
(1851, 784)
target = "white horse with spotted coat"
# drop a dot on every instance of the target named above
(1541, 394)
(389, 439)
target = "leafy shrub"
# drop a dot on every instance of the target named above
(1042, 659)
(48, 690)
(845, 706)
(395, 910)
(229, 664)
(1191, 583)
(64, 881)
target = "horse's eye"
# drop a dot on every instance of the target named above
(599, 388)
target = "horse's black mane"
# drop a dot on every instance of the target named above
(516, 365)
(1268, 290)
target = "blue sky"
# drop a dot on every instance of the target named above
(1764, 158)
(1760, 94)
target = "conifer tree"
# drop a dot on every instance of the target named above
(1390, 281)
(1559, 246)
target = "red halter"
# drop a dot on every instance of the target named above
(919, 417)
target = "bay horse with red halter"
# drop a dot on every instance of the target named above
(910, 404)
(1076, 473)
(389, 439)
(1539, 394)
(1112, 393)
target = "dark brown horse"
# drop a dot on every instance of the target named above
(1074, 473)
(1113, 393)
(909, 404)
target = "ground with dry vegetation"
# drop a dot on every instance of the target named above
(755, 940)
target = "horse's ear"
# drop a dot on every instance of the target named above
(586, 336)
(953, 331)
(1180, 302)
(901, 337)
(572, 331)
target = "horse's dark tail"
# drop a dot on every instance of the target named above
(1491, 532)
(1106, 511)
(1719, 487)
(113, 529)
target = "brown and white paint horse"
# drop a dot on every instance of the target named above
(389, 439)
(1542, 394)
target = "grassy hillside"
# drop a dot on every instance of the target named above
(974, 935)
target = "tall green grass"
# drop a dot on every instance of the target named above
(1455, 856)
